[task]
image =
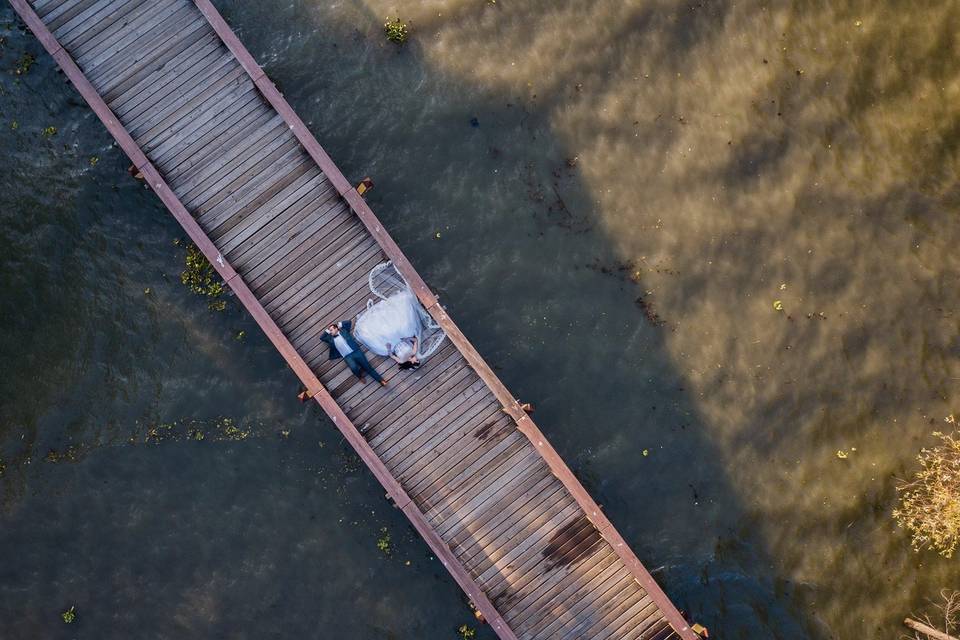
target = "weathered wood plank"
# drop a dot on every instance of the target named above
(527, 613)
(165, 75)
(108, 15)
(422, 450)
(291, 221)
(211, 122)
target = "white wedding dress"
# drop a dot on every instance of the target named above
(389, 325)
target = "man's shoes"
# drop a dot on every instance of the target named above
(363, 379)
(383, 382)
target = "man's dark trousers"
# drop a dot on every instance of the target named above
(358, 363)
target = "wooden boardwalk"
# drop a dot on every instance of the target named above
(258, 195)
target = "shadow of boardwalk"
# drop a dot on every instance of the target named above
(489, 203)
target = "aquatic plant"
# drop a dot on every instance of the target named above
(69, 615)
(930, 502)
(383, 542)
(49, 132)
(466, 632)
(14, 125)
(396, 30)
(201, 278)
(23, 64)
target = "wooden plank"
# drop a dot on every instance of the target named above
(236, 161)
(436, 483)
(527, 612)
(44, 7)
(188, 137)
(403, 454)
(531, 571)
(491, 515)
(627, 624)
(201, 143)
(277, 287)
(281, 208)
(165, 75)
(86, 13)
(131, 63)
(423, 449)
(650, 625)
(51, 13)
(624, 609)
(228, 79)
(493, 571)
(218, 198)
(134, 42)
(290, 221)
(548, 506)
(510, 469)
(406, 406)
(522, 610)
(467, 399)
(336, 267)
(507, 461)
(426, 409)
(212, 159)
(588, 608)
(106, 18)
(258, 208)
(136, 32)
(369, 402)
(277, 240)
(343, 303)
(468, 450)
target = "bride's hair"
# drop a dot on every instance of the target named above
(403, 350)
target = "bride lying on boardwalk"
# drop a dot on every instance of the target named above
(397, 325)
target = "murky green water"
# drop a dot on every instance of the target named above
(622, 190)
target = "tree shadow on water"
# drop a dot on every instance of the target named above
(491, 204)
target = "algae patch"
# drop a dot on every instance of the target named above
(201, 278)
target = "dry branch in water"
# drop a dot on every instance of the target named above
(949, 610)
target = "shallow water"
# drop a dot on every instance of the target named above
(621, 192)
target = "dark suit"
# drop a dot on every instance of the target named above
(356, 359)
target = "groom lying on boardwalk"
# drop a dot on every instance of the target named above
(343, 345)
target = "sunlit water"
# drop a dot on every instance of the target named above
(610, 197)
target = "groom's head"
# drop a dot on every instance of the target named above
(334, 329)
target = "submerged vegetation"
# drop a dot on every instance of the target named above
(383, 542)
(396, 30)
(466, 632)
(930, 502)
(201, 278)
(69, 615)
(23, 64)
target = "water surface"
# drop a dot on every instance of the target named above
(609, 196)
